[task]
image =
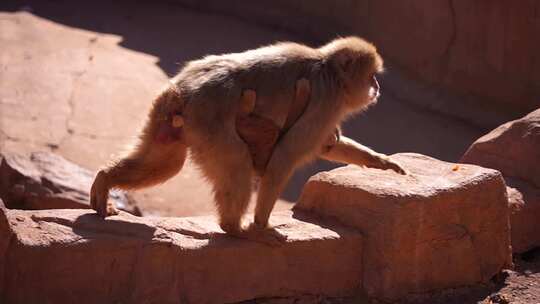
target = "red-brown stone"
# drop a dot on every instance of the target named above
(73, 256)
(45, 180)
(439, 227)
(514, 149)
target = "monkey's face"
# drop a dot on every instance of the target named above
(364, 91)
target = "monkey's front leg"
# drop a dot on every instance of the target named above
(348, 151)
(298, 146)
(272, 183)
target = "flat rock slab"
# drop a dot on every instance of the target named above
(73, 256)
(443, 225)
(45, 180)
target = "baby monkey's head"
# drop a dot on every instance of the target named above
(355, 64)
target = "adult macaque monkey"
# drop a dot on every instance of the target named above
(226, 110)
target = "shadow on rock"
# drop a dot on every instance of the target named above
(90, 225)
(529, 261)
(168, 31)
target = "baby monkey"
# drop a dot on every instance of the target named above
(263, 112)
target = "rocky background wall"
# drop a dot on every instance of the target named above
(487, 53)
(76, 80)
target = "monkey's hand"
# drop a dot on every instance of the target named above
(384, 162)
(99, 195)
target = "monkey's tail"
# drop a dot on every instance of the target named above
(161, 150)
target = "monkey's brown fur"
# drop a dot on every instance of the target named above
(261, 134)
(213, 93)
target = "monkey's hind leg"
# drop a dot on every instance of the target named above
(159, 155)
(226, 162)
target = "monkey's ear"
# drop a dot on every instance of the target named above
(344, 60)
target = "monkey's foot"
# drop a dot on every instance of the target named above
(111, 210)
(106, 209)
(99, 195)
(268, 236)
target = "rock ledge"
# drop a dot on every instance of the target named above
(72, 256)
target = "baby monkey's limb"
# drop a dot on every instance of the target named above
(260, 134)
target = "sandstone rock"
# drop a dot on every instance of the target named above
(442, 226)
(468, 47)
(73, 256)
(478, 51)
(524, 203)
(513, 148)
(48, 181)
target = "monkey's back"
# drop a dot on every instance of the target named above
(271, 71)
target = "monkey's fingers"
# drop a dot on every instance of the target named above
(384, 162)
(396, 167)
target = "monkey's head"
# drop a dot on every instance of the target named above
(355, 64)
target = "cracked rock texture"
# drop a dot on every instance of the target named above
(514, 149)
(84, 93)
(66, 90)
(44, 180)
(443, 225)
(73, 256)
